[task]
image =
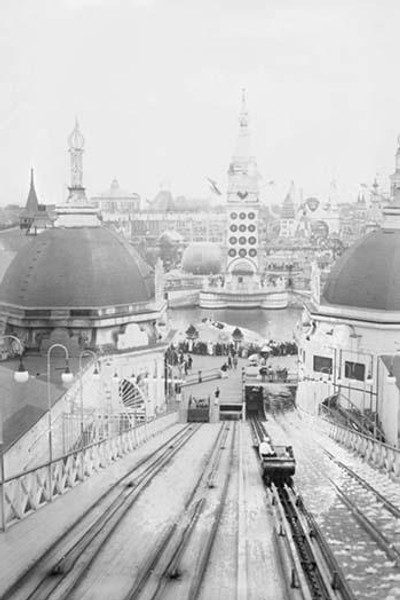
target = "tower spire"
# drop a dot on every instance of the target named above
(244, 115)
(76, 144)
(32, 200)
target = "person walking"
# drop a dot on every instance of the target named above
(235, 361)
(216, 394)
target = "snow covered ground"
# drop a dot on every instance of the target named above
(371, 574)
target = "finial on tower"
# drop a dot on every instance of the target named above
(244, 115)
(32, 179)
(76, 141)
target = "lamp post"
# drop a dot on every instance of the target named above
(66, 377)
(21, 375)
(95, 376)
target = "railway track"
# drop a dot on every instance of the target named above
(314, 571)
(163, 573)
(59, 570)
(388, 505)
(371, 518)
(305, 556)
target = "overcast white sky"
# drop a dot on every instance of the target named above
(156, 86)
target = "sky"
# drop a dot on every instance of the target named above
(156, 86)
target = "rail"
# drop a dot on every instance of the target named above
(26, 492)
(376, 453)
(201, 376)
(314, 569)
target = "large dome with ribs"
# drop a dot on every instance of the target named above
(76, 267)
(368, 274)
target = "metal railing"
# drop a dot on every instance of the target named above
(26, 492)
(376, 453)
(202, 375)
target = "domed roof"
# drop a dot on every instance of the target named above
(202, 258)
(76, 267)
(368, 273)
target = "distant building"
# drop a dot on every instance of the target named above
(191, 220)
(116, 204)
(288, 216)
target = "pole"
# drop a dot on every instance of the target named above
(50, 427)
(82, 416)
(49, 406)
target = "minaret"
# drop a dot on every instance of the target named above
(76, 144)
(243, 205)
(76, 211)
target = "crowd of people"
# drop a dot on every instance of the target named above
(275, 348)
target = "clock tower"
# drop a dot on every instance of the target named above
(243, 207)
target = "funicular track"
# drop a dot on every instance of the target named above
(59, 570)
(314, 571)
(163, 568)
(379, 531)
(394, 510)
(308, 563)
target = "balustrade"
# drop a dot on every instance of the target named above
(379, 455)
(26, 492)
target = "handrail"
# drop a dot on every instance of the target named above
(364, 417)
(66, 455)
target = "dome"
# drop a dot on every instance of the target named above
(202, 258)
(76, 267)
(368, 274)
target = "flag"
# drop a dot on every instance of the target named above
(213, 186)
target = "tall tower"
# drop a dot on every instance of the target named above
(76, 144)
(243, 206)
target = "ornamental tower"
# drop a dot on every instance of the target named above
(243, 206)
(76, 144)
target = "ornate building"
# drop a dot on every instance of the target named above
(349, 328)
(242, 285)
(79, 281)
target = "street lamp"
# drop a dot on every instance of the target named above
(21, 375)
(66, 377)
(95, 376)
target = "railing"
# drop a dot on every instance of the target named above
(201, 376)
(275, 377)
(376, 453)
(369, 423)
(26, 492)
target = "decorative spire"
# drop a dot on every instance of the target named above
(242, 153)
(288, 211)
(244, 115)
(76, 144)
(32, 202)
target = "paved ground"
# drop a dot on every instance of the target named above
(230, 387)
